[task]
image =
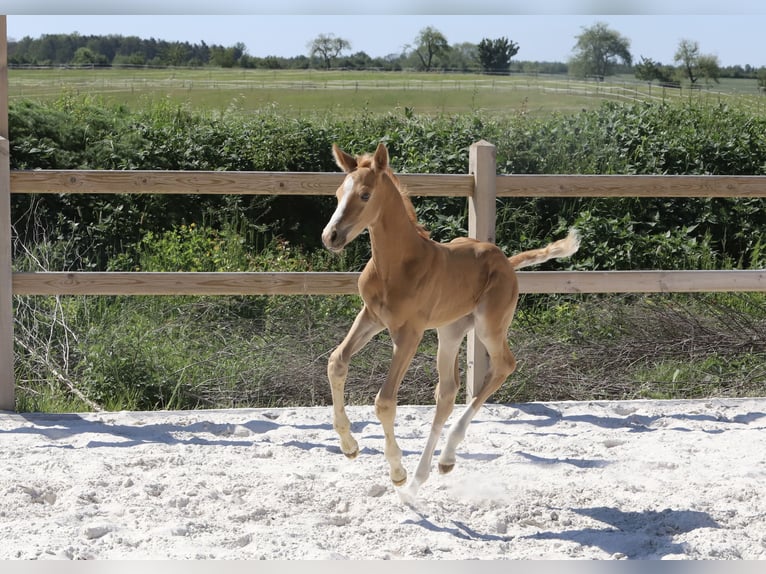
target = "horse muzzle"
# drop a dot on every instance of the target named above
(333, 239)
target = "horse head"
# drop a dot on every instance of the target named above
(358, 205)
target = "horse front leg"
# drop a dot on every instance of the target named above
(405, 345)
(364, 328)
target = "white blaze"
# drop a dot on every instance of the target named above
(348, 185)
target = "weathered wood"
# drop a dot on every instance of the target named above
(641, 281)
(481, 225)
(3, 77)
(218, 182)
(7, 385)
(340, 283)
(630, 186)
(433, 185)
(144, 283)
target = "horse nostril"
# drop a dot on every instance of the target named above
(334, 235)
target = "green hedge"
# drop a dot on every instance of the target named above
(613, 139)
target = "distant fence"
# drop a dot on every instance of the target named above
(481, 186)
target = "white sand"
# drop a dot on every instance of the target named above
(680, 479)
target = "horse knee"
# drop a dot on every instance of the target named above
(385, 408)
(337, 367)
(445, 393)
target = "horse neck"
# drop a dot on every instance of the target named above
(393, 236)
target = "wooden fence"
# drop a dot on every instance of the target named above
(481, 186)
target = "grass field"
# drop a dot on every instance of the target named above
(299, 92)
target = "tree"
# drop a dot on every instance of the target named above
(649, 70)
(598, 49)
(357, 61)
(429, 44)
(328, 47)
(708, 67)
(86, 56)
(495, 55)
(227, 57)
(687, 56)
(176, 54)
(463, 57)
(694, 64)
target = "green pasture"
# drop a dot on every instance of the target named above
(300, 92)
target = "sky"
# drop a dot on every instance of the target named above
(732, 31)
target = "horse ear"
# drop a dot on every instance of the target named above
(344, 161)
(380, 159)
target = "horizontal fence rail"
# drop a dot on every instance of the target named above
(425, 185)
(631, 186)
(345, 283)
(219, 182)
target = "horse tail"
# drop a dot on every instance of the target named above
(561, 248)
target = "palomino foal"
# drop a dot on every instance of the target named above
(411, 284)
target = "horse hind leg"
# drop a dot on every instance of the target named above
(502, 364)
(450, 339)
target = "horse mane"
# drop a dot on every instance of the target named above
(366, 161)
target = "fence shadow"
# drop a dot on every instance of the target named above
(549, 417)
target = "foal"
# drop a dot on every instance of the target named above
(411, 284)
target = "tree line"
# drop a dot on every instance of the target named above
(598, 52)
(117, 50)
(430, 51)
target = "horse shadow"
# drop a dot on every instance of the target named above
(647, 534)
(458, 529)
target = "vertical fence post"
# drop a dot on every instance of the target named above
(482, 164)
(6, 275)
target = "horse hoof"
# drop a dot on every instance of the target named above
(352, 455)
(399, 482)
(399, 477)
(445, 468)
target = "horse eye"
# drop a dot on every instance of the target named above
(365, 196)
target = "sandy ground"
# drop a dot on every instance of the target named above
(603, 480)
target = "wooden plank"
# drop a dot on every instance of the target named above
(7, 384)
(425, 185)
(144, 283)
(631, 186)
(3, 77)
(481, 225)
(641, 281)
(218, 182)
(339, 283)
(481, 203)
